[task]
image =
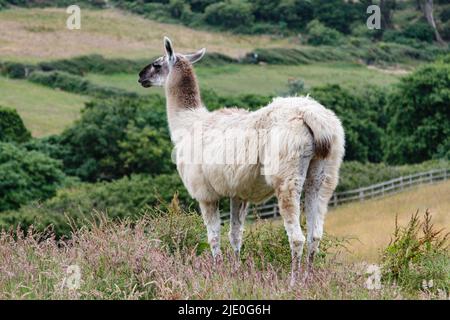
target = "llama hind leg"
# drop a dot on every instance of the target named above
(211, 218)
(314, 216)
(238, 214)
(288, 193)
(319, 187)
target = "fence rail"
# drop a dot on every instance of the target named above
(270, 209)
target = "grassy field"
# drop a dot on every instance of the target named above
(45, 111)
(32, 35)
(371, 222)
(41, 34)
(264, 79)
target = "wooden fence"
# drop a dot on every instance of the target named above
(270, 208)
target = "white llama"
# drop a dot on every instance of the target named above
(293, 143)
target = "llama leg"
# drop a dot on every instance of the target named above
(320, 185)
(238, 214)
(211, 218)
(288, 193)
(314, 218)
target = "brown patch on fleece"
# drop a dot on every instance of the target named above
(182, 86)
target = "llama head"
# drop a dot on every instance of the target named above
(156, 73)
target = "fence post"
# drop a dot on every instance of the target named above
(334, 200)
(401, 183)
(275, 210)
(361, 196)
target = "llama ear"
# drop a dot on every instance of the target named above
(194, 57)
(169, 50)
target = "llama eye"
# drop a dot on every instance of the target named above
(157, 66)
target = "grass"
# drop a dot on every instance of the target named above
(41, 34)
(371, 222)
(264, 79)
(44, 111)
(163, 255)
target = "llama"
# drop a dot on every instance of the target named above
(299, 145)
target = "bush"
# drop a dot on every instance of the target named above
(180, 231)
(16, 70)
(76, 84)
(266, 243)
(419, 115)
(340, 14)
(420, 31)
(318, 34)
(26, 176)
(417, 255)
(12, 128)
(292, 56)
(230, 14)
(93, 64)
(129, 197)
(118, 137)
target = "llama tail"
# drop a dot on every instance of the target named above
(327, 131)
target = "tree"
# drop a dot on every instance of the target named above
(230, 14)
(427, 8)
(117, 137)
(386, 7)
(12, 128)
(26, 176)
(419, 126)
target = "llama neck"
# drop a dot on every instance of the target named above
(182, 92)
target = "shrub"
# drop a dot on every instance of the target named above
(76, 84)
(12, 128)
(340, 14)
(420, 31)
(179, 231)
(446, 30)
(419, 115)
(105, 143)
(129, 197)
(230, 14)
(26, 176)
(16, 70)
(266, 243)
(417, 255)
(93, 64)
(318, 34)
(292, 56)
(445, 14)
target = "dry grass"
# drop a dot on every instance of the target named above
(128, 261)
(372, 222)
(158, 257)
(41, 34)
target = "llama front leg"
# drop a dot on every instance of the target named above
(238, 214)
(211, 218)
